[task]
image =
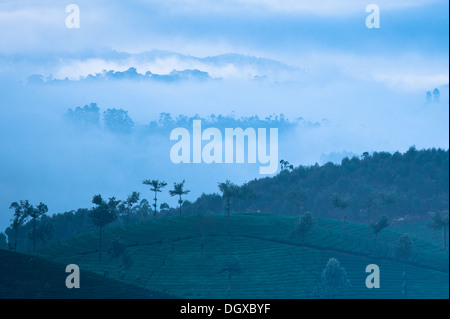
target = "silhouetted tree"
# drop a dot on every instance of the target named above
(178, 190)
(35, 214)
(333, 279)
(340, 202)
(117, 120)
(103, 214)
(428, 96)
(377, 228)
(164, 208)
(439, 221)
(144, 208)
(20, 216)
(87, 116)
(402, 252)
(286, 166)
(3, 243)
(156, 187)
(228, 190)
(131, 200)
(436, 95)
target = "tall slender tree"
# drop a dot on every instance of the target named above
(156, 186)
(35, 214)
(131, 200)
(436, 95)
(229, 190)
(19, 218)
(103, 214)
(178, 190)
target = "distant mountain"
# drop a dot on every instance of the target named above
(171, 66)
(218, 60)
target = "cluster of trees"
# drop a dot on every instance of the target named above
(156, 186)
(408, 185)
(115, 120)
(433, 97)
(377, 189)
(104, 213)
(167, 122)
(131, 74)
(118, 120)
(24, 211)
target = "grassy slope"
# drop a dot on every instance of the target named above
(27, 277)
(166, 256)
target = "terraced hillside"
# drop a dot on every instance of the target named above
(167, 255)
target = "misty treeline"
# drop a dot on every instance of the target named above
(117, 120)
(131, 74)
(410, 186)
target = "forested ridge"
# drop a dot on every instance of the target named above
(408, 186)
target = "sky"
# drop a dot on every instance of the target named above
(314, 59)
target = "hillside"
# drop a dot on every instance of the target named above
(27, 277)
(404, 186)
(166, 255)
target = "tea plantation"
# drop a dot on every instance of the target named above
(185, 256)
